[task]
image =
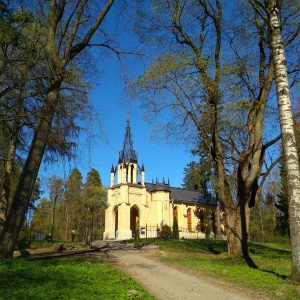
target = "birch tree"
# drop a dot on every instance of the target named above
(272, 11)
(291, 160)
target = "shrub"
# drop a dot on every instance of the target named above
(175, 229)
(23, 244)
(166, 232)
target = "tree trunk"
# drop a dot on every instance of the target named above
(234, 235)
(14, 137)
(57, 66)
(6, 188)
(288, 135)
(15, 218)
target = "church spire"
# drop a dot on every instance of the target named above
(128, 154)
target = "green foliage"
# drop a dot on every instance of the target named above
(75, 210)
(198, 176)
(175, 229)
(93, 188)
(282, 205)
(166, 232)
(164, 65)
(74, 203)
(95, 203)
(263, 220)
(210, 257)
(11, 23)
(65, 278)
(43, 214)
(191, 180)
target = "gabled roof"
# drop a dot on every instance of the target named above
(191, 197)
(186, 196)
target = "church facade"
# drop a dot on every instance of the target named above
(134, 205)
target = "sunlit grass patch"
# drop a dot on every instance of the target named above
(210, 258)
(65, 278)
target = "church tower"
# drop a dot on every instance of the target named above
(127, 168)
(126, 194)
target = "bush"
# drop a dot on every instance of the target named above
(23, 244)
(166, 232)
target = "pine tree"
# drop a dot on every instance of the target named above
(74, 200)
(95, 202)
(191, 180)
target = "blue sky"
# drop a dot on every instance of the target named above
(160, 160)
(113, 104)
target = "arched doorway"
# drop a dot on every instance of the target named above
(189, 219)
(201, 217)
(175, 213)
(134, 219)
(116, 219)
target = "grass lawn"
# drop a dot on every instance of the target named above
(80, 277)
(88, 277)
(211, 258)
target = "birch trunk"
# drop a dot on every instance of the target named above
(288, 136)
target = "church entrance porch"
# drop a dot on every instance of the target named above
(134, 220)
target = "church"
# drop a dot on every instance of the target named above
(134, 205)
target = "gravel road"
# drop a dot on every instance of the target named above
(166, 282)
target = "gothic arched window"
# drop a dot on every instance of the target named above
(189, 219)
(175, 213)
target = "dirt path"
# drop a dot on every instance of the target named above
(165, 282)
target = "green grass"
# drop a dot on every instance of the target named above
(80, 277)
(88, 277)
(211, 258)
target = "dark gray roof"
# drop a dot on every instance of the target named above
(191, 197)
(187, 196)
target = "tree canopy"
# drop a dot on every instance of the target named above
(43, 91)
(207, 86)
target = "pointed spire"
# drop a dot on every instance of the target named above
(128, 154)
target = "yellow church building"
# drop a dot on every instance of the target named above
(135, 205)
